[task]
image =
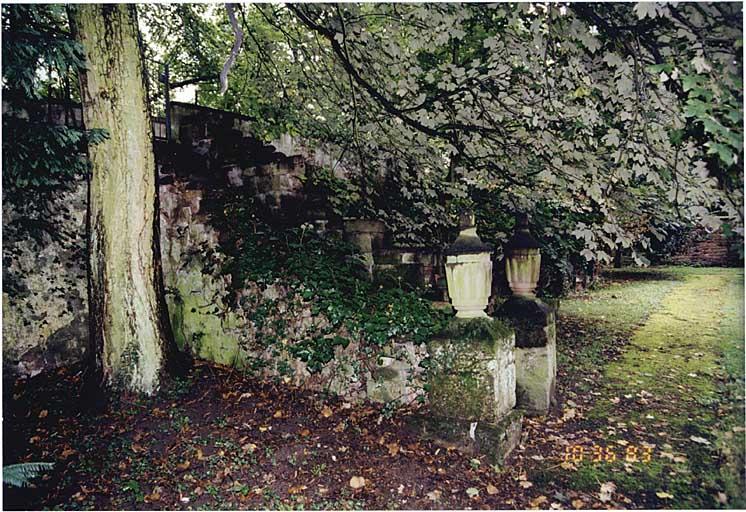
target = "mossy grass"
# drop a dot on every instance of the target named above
(678, 382)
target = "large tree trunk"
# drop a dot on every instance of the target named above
(131, 340)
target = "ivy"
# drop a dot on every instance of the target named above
(326, 273)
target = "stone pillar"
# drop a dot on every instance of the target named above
(471, 388)
(533, 321)
(368, 236)
(535, 351)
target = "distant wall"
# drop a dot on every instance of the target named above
(701, 248)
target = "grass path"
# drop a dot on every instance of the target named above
(662, 422)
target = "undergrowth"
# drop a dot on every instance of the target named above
(328, 273)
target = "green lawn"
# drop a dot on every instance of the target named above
(665, 350)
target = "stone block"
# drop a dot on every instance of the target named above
(496, 440)
(394, 378)
(472, 371)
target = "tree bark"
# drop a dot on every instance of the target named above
(131, 340)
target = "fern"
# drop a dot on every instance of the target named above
(20, 475)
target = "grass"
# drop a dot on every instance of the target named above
(677, 385)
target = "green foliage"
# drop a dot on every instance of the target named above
(341, 195)
(20, 475)
(629, 115)
(325, 272)
(40, 66)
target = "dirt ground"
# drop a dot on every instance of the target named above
(222, 440)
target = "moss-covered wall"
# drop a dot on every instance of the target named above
(45, 297)
(45, 306)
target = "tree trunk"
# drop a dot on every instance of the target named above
(131, 340)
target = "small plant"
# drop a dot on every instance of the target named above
(318, 469)
(133, 486)
(20, 475)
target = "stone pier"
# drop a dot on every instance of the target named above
(471, 389)
(535, 351)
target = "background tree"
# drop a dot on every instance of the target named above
(129, 328)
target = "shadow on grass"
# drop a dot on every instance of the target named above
(639, 275)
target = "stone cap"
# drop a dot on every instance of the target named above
(528, 317)
(468, 242)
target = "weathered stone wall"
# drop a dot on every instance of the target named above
(45, 305)
(45, 292)
(45, 297)
(234, 329)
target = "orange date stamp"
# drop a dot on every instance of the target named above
(608, 454)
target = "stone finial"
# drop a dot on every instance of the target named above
(469, 271)
(522, 259)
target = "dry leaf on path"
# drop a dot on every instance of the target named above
(434, 495)
(326, 411)
(357, 482)
(491, 489)
(607, 489)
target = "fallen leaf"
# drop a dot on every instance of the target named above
(569, 414)
(357, 482)
(722, 498)
(43, 414)
(200, 455)
(700, 440)
(578, 504)
(264, 428)
(535, 503)
(296, 489)
(472, 492)
(569, 466)
(326, 411)
(183, 466)
(305, 432)
(393, 448)
(664, 495)
(154, 496)
(526, 484)
(277, 414)
(67, 452)
(491, 489)
(434, 495)
(249, 447)
(607, 489)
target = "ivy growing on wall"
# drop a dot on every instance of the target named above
(327, 273)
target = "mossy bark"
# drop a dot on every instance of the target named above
(132, 343)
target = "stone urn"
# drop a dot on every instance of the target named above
(522, 260)
(469, 271)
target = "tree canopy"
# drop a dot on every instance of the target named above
(615, 123)
(626, 117)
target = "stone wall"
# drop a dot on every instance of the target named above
(45, 306)
(45, 292)
(45, 297)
